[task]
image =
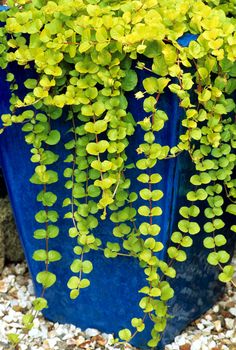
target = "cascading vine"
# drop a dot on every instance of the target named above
(83, 54)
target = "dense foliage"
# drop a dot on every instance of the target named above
(82, 52)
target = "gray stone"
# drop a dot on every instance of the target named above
(10, 246)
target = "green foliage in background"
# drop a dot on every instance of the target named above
(82, 52)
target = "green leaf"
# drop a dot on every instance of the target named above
(176, 237)
(74, 293)
(47, 198)
(93, 191)
(145, 255)
(99, 109)
(218, 224)
(101, 34)
(194, 228)
(157, 195)
(155, 85)
(181, 256)
(87, 266)
(183, 226)
(220, 240)
(49, 157)
(150, 85)
(53, 216)
(186, 242)
(184, 211)
(233, 228)
(10, 77)
(154, 342)
(40, 255)
(203, 72)
(200, 194)
(117, 32)
(213, 259)
(166, 291)
(209, 243)
(156, 211)
(150, 243)
(46, 278)
(73, 282)
(76, 266)
(84, 46)
(13, 338)
(138, 324)
(53, 137)
(224, 277)
(30, 83)
(231, 208)
(40, 304)
(96, 128)
(41, 216)
(96, 148)
(52, 231)
(194, 211)
(145, 194)
(144, 178)
(227, 274)
(53, 255)
(155, 292)
(170, 272)
(209, 227)
(144, 210)
(149, 104)
(160, 325)
(172, 252)
(223, 256)
(155, 178)
(130, 80)
(125, 334)
(84, 283)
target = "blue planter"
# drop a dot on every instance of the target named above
(112, 299)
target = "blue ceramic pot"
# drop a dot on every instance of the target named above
(112, 299)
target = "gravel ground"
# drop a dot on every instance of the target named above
(216, 330)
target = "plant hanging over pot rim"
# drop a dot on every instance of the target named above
(83, 54)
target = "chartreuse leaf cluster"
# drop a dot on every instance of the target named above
(83, 53)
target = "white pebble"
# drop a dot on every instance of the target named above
(208, 329)
(216, 308)
(20, 269)
(172, 347)
(200, 326)
(229, 322)
(232, 310)
(205, 347)
(31, 288)
(9, 318)
(212, 344)
(208, 317)
(180, 340)
(218, 326)
(68, 336)
(23, 347)
(196, 345)
(229, 334)
(53, 341)
(107, 336)
(35, 333)
(91, 332)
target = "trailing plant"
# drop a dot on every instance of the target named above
(85, 55)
